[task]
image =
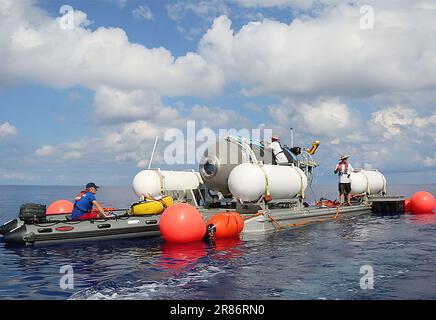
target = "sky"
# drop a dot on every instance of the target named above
(86, 86)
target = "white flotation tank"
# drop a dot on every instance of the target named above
(155, 182)
(367, 181)
(248, 182)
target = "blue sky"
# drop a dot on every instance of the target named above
(86, 103)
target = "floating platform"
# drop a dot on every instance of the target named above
(271, 220)
(256, 221)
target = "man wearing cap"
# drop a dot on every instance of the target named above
(343, 169)
(84, 202)
(277, 150)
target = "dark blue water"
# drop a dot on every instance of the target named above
(319, 261)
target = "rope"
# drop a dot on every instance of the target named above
(311, 189)
(368, 190)
(384, 182)
(301, 188)
(267, 193)
(252, 216)
(291, 225)
(162, 181)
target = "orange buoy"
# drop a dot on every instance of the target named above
(181, 223)
(422, 202)
(407, 205)
(225, 225)
(60, 207)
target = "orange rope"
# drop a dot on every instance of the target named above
(252, 216)
(304, 223)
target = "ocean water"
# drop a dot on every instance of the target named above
(319, 261)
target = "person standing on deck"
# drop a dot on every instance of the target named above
(343, 169)
(277, 150)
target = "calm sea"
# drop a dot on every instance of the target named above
(320, 261)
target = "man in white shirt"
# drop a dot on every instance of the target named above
(343, 169)
(277, 150)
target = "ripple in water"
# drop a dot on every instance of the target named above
(320, 261)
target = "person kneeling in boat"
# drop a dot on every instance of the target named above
(84, 202)
(343, 169)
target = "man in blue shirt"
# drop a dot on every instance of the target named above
(84, 202)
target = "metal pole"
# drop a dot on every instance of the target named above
(292, 137)
(152, 154)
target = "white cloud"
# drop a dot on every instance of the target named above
(396, 121)
(45, 151)
(323, 54)
(330, 118)
(392, 139)
(217, 117)
(26, 39)
(33, 47)
(6, 129)
(393, 120)
(121, 3)
(328, 54)
(14, 175)
(64, 151)
(72, 155)
(181, 12)
(430, 161)
(303, 4)
(118, 106)
(203, 9)
(143, 12)
(317, 59)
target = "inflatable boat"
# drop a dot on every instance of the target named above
(34, 227)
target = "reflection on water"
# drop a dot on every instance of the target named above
(428, 218)
(320, 261)
(181, 255)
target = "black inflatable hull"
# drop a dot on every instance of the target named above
(52, 232)
(9, 226)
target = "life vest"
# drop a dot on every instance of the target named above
(327, 203)
(339, 169)
(290, 157)
(79, 196)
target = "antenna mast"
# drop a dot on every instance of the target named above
(152, 154)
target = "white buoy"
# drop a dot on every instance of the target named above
(365, 181)
(155, 182)
(248, 182)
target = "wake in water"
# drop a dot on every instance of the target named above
(183, 271)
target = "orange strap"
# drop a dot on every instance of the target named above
(279, 226)
(252, 216)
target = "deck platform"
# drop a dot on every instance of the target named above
(269, 220)
(274, 219)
